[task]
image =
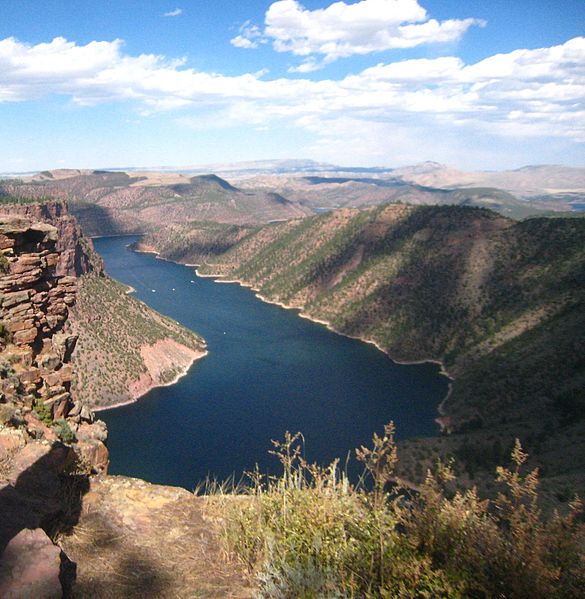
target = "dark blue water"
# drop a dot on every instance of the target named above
(267, 371)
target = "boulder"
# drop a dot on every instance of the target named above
(95, 454)
(30, 567)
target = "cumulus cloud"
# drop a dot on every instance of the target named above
(343, 30)
(174, 13)
(536, 92)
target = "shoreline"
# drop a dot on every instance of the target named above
(444, 427)
(219, 278)
(176, 379)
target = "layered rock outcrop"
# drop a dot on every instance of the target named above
(33, 311)
(49, 444)
(73, 260)
(36, 292)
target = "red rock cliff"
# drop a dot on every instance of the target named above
(73, 259)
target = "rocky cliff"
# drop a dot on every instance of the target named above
(126, 537)
(37, 344)
(73, 259)
(49, 443)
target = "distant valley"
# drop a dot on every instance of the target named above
(136, 201)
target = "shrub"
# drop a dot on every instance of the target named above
(43, 413)
(62, 428)
(310, 533)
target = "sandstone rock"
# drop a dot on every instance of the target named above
(6, 242)
(38, 429)
(61, 406)
(97, 430)
(31, 375)
(49, 232)
(63, 345)
(49, 361)
(42, 459)
(86, 414)
(161, 534)
(66, 373)
(15, 325)
(30, 567)
(12, 299)
(52, 378)
(76, 409)
(51, 260)
(25, 337)
(10, 441)
(95, 454)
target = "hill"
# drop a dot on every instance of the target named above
(500, 303)
(339, 190)
(107, 203)
(147, 350)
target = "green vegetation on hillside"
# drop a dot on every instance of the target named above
(310, 533)
(196, 243)
(112, 328)
(500, 303)
(7, 199)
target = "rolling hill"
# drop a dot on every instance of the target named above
(107, 203)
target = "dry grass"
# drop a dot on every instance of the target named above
(310, 533)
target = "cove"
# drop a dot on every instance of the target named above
(267, 371)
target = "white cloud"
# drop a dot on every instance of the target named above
(523, 94)
(343, 30)
(174, 13)
(250, 36)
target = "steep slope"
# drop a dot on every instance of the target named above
(116, 202)
(125, 348)
(500, 303)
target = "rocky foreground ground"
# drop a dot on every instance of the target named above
(135, 539)
(65, 534)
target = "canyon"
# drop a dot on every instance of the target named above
(498, 302)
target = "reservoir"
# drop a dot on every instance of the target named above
(267, 371)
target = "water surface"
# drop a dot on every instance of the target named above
(267, 371)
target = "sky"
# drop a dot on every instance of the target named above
(474, 84)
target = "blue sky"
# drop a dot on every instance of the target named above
(473, 84)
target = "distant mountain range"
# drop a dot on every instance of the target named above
(133, 200)
(107, 202)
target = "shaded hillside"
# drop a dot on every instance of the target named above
(116, 202)
(500, 303)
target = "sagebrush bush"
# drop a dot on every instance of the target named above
(309, 533)
(63, 430)
(43, 412)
